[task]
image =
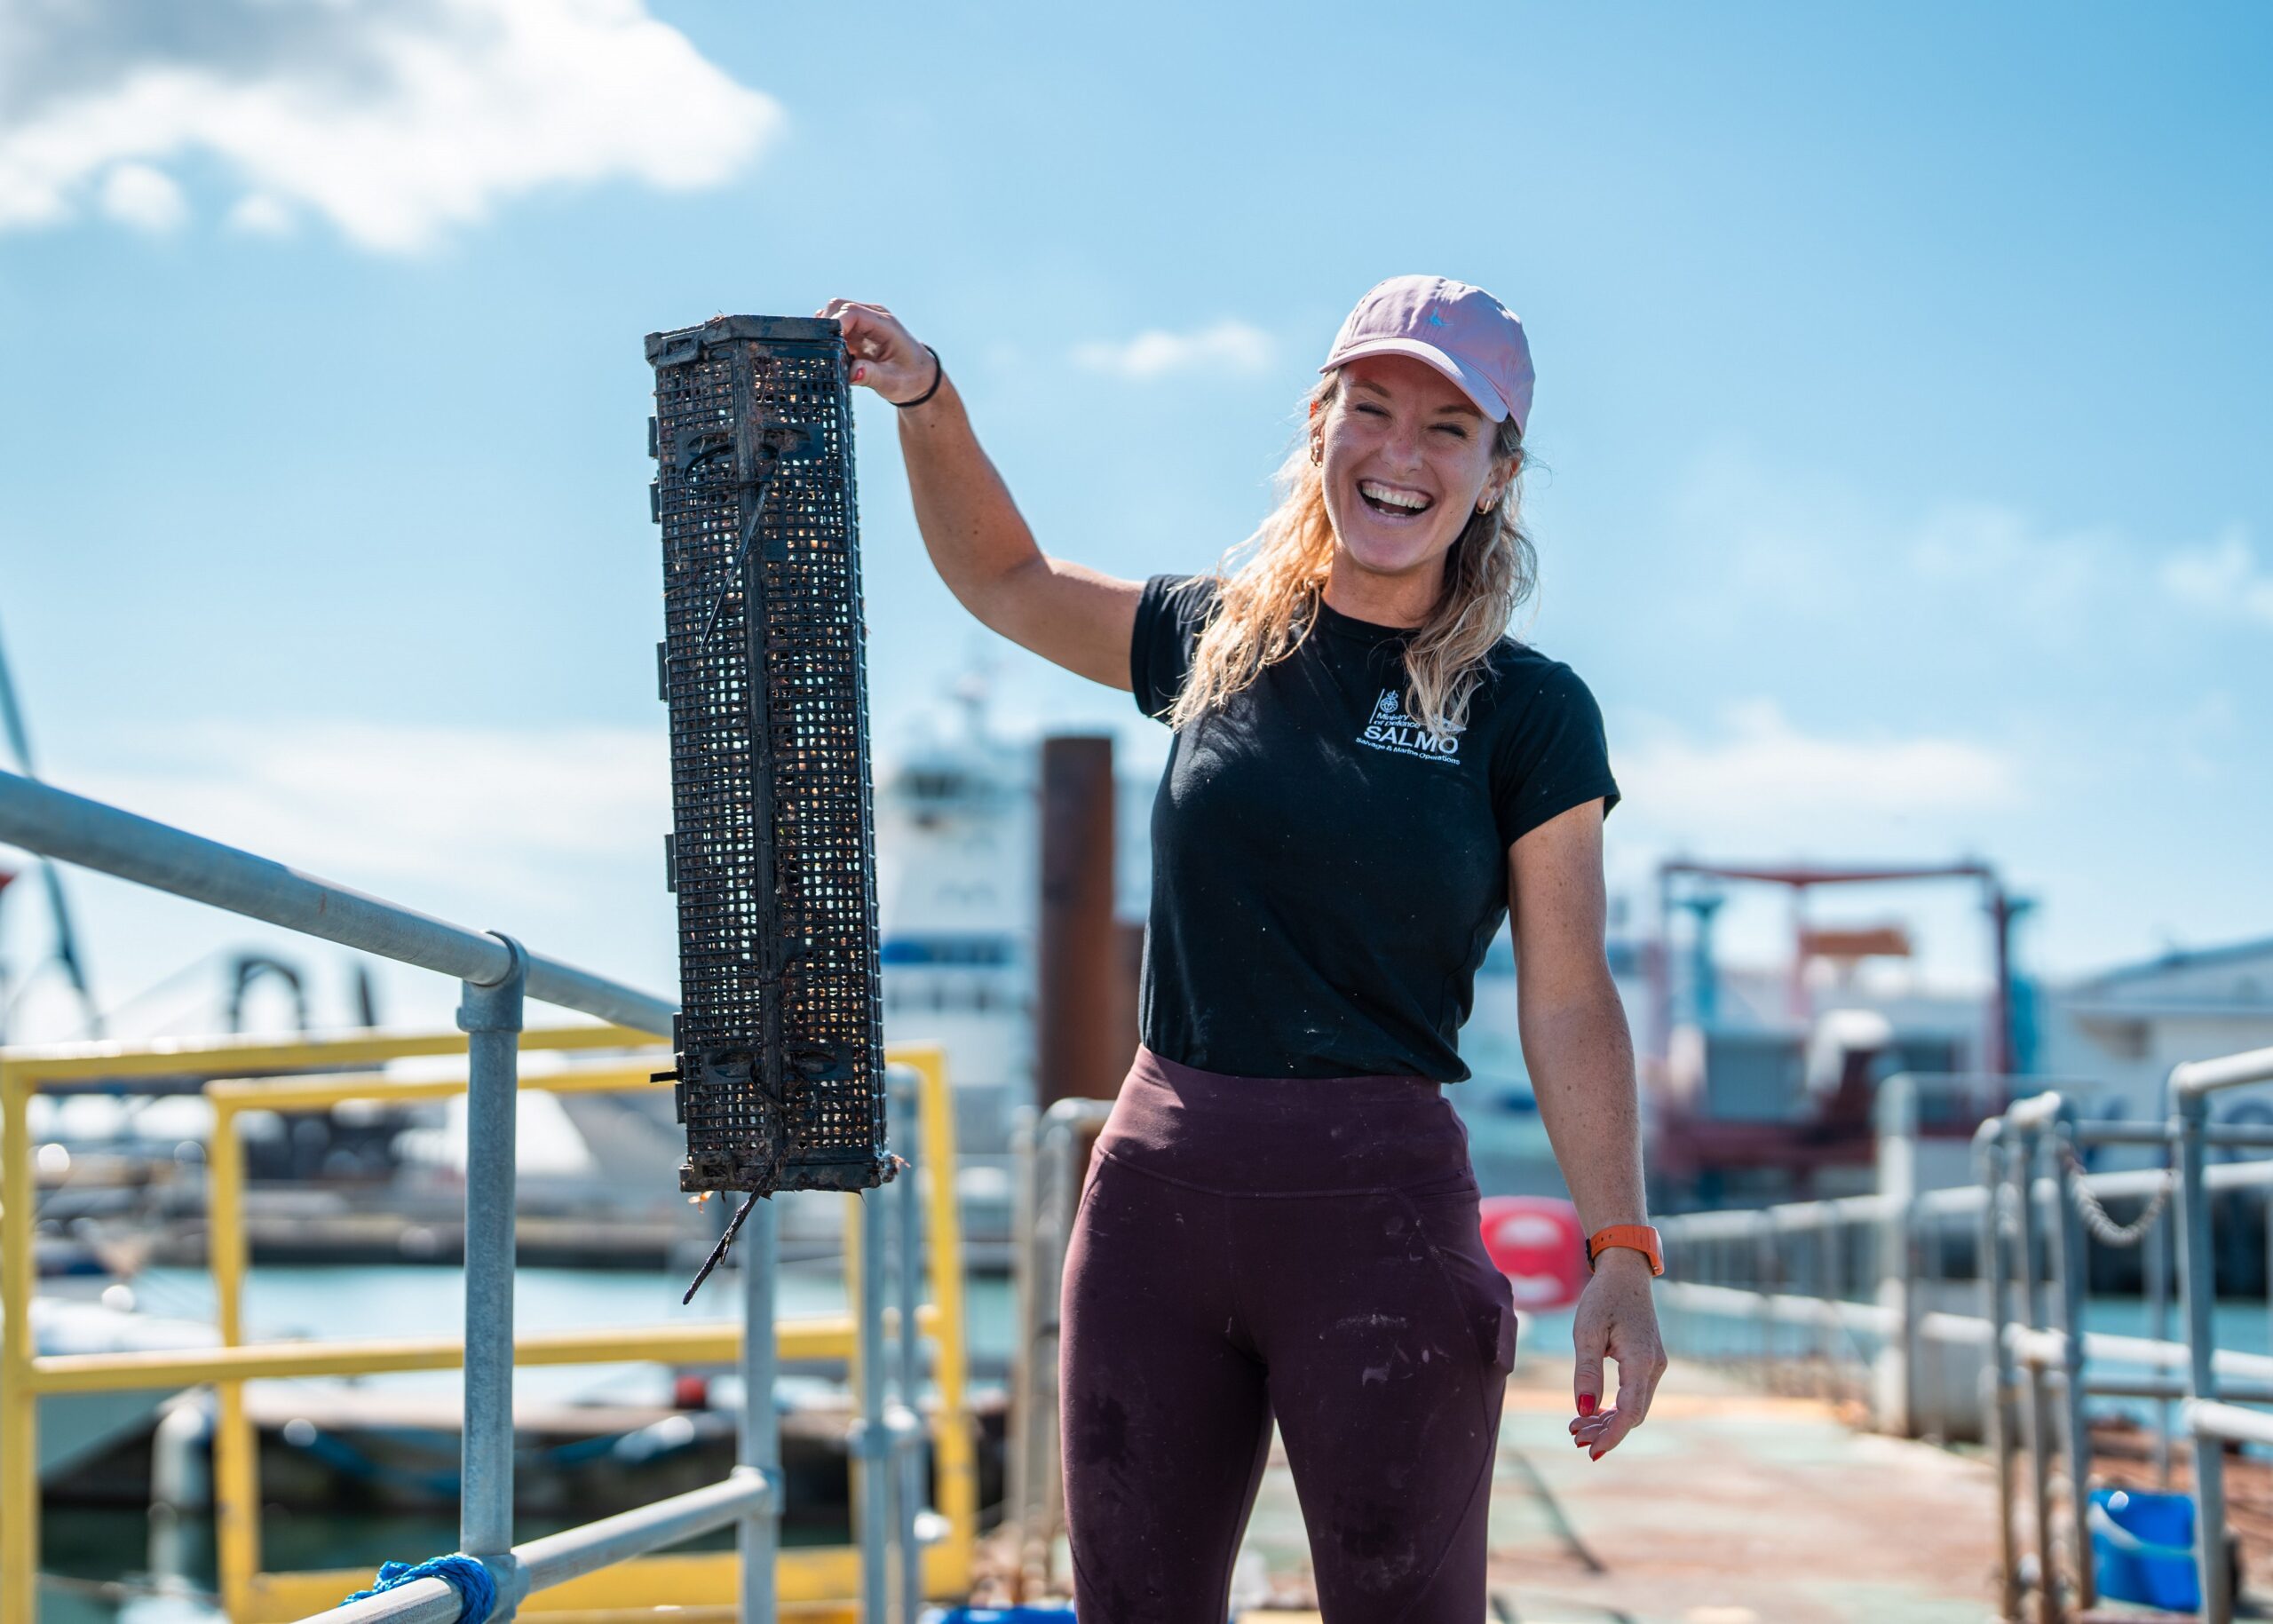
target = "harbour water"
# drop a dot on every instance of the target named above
(104, 1565)
(426, 1300)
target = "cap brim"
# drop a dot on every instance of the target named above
(1487, 398)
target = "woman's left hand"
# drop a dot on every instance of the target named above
(1616, 1319)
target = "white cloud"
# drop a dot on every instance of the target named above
(137, 195)
(261, 216)
(1971, 581)
(553, 834)
(395, 121)
(2050, 576)
(1227, 346)
(1760, 779)
(1750, 785)
(2222, 578)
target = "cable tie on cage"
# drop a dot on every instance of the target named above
(738, 568)
(778, 443)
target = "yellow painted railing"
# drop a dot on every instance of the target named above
(811, 1582)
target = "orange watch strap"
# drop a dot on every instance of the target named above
(1638, 1237)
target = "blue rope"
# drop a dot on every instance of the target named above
(464, 1574)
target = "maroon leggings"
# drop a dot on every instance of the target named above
(1255, 1247)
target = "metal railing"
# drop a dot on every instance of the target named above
(2039, 1359)
(1053, 1157)
(2023, 1208)
(588, 1570)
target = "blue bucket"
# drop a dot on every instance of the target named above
(2143, 1547)
(1003, 1615)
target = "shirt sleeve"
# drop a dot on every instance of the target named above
(1170, 614)
(1552, 756)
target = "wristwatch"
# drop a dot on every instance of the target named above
(1639, 1237)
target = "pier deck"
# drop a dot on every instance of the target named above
(1728, 1507)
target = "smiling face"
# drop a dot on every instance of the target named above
(1405, 458)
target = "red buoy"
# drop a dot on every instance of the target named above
(1537, 1243)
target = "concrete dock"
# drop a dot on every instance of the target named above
(1727, 1507)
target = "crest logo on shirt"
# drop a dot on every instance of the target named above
(1391, 729)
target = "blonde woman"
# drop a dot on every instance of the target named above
(1367, 775)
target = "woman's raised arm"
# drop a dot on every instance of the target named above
(1068, 614)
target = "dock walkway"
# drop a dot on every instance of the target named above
(1728, 1507)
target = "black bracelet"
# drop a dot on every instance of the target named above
(938, 372)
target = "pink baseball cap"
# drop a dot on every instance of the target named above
(1463, 332)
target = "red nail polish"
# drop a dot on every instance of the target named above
(1586, 1402)
(858, 373)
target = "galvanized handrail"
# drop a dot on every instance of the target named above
(2037, 1345)
(495, 974)
(571, 1554)
(253, 1596)
(1053, 1158)
(2229, 1071)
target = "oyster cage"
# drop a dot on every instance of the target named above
(779, 1076)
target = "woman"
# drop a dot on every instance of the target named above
(1367, 774)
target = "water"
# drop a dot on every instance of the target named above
(103, 1560)
(339, 1303)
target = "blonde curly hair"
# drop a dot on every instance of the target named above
(1272, 583)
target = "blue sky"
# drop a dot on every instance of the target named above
(1902, 387)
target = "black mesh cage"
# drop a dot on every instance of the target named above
(780, 1078)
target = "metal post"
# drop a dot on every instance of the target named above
(236, 1446)
(18, 1409)
(906, 1413)
(1897, 1158)
(1767, 1267)
(955, 1474)
(2197, 1269)
(1932, 1375)
(1997, 1376)
(1829, 1288)
(2023, 1167)
(1056, 1207)
(2160, 1247)
(1018, 1467)
(871, 1442)
(757, 1535)
(491, 1019)
(1064, 1141)
(2074, 1266)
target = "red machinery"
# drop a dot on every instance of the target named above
(1691, 1141)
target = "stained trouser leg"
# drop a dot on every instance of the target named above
(1165, 1421)
(1389, 1335)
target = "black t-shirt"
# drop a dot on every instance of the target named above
(1326, 878)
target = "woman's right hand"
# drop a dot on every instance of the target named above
(885, 356)
(1071, 616)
